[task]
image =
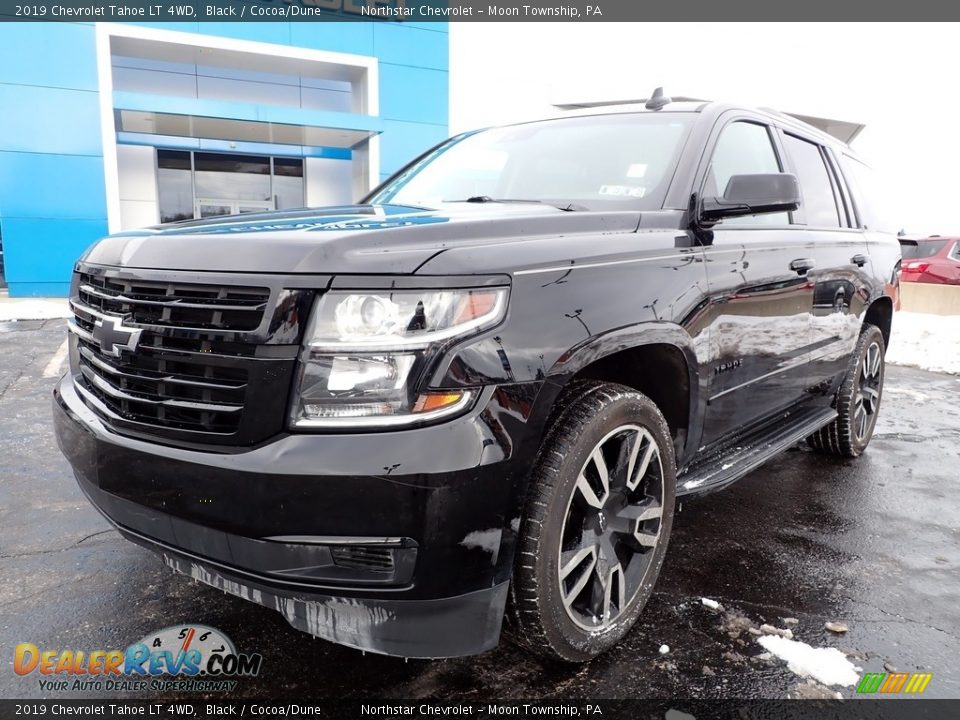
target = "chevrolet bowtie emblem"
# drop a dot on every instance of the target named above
(114, 336)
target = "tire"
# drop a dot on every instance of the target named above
(858, 400)
(598, 425)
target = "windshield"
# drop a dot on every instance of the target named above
(598, 162)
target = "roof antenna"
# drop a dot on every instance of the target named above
(657, 100)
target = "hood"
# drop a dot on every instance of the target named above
(357, 239)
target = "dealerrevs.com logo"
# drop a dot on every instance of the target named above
(177, 658)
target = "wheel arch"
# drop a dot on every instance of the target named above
(657, 359)
(880, 314)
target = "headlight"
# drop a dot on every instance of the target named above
(365, 351)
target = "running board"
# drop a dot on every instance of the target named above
(736, 457)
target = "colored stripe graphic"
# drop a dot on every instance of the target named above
(891, 683)
(898, 685)
(870, 682)
(923, 679)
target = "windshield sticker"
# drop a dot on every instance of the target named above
(637, 170)
(636, 191)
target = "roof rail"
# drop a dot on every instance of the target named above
(587, 104)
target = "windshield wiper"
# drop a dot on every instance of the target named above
(566, 207)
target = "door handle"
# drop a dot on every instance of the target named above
(859, 260)
(802, 265)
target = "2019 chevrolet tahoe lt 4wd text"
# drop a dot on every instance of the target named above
(474, 398)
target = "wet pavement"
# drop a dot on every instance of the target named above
(872, 543)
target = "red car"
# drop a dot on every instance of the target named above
(933, 259)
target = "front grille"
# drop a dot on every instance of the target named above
(192, 366)
(175, 304)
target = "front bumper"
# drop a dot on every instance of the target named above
(397, 542)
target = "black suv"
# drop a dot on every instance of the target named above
(478, 394)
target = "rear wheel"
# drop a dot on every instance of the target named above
(597, 522)
(858, 400)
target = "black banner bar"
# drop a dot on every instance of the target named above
(886, 709)
(470, 10)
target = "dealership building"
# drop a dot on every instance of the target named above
(109, 127)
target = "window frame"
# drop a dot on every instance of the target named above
(846, 192)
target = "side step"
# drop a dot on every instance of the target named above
(734, 458)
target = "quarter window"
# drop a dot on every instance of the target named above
(743, 148)
(869, 196)
(819, 204)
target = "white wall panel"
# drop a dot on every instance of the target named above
(329, 182)
(137, 214)
(137, 172)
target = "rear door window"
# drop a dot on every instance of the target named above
(819, 205)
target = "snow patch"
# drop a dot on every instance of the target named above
(929, 342)
(487, 540)
(33, 309)
(828, 666)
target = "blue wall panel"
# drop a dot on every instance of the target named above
(25, 59)
(52, 186)
(49, 120)
(271, 32)
(413, 94)
(43, 252)
(407, 141)
(52, 198)
(347, 37)
(404, 45)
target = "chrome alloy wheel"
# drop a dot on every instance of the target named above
(867, 401)
(611, 526)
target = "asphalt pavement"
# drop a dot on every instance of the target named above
(873, 544)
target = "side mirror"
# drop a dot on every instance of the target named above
(753, 195)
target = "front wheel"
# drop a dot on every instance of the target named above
(858, 400)
(597, 522)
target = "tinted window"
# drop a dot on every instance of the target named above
(288, 183)
(205, 184)
(868, 195)
(743, 149)
(174, 185)
(237, 177)
(819, 205)
(911, 249)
